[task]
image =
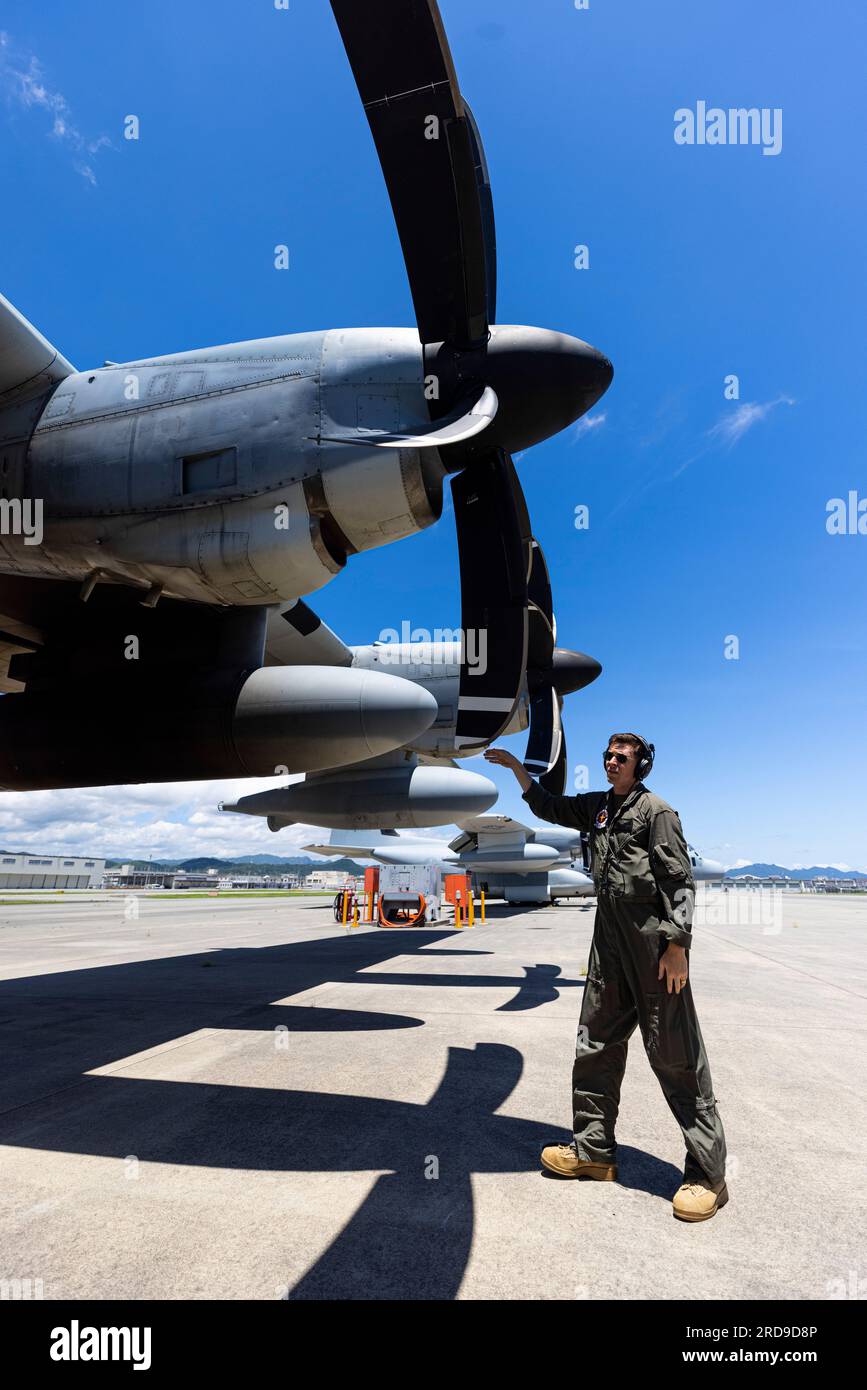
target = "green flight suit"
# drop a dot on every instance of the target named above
(645, 895)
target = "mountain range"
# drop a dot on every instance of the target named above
(775, 871)
(303, 864)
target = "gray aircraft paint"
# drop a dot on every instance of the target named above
(179, 485)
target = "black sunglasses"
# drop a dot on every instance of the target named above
(622, 758)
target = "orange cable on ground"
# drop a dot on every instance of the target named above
(407, 922)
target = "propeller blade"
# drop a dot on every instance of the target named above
(492, 551)
(486, 203)
(430, 156)
(543, 627)
(546, 732)
(555, 780)
(523, 515)
(551, 672)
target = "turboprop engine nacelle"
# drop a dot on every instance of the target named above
(241, 474)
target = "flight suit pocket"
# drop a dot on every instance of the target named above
(651, 1032)
(668, 864)
(597, 996)
(666, 1035)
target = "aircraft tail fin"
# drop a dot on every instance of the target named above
(353, 842)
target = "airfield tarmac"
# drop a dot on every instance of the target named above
(237, 1099)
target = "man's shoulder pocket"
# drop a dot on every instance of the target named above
(667, 861)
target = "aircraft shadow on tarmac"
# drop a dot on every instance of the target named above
(411, 1236)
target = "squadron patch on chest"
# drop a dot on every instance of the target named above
(602, 818)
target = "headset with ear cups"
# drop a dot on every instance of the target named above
(645, 762)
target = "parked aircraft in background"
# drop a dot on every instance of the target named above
(704, 870)
(507, 859)
(520, 863)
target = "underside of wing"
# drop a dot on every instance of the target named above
(489, 829)
(295, 636)
(25, 613)
(28, 362)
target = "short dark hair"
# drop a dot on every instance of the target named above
(631, 741)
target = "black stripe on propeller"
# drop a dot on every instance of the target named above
(490, 518)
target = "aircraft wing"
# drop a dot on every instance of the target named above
(489, 830)
(29, 365)
(28, 362)
(294, 636)
(27, 610)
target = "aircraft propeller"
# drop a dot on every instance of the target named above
(437, 178)
(552, 673)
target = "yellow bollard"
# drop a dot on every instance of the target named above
(457, 909)
(472, 909)
(355, 914)
(345, 905)
(483, 905)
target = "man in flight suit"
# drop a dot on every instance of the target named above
(638, 973)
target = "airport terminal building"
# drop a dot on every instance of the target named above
(54, 871)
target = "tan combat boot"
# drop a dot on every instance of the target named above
(563, 1160)
(698, 1201)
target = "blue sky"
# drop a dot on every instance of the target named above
(707, 516)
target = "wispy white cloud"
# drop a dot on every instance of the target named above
(588, 423)
(733, 425)
(726, 433)
(23, 84)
